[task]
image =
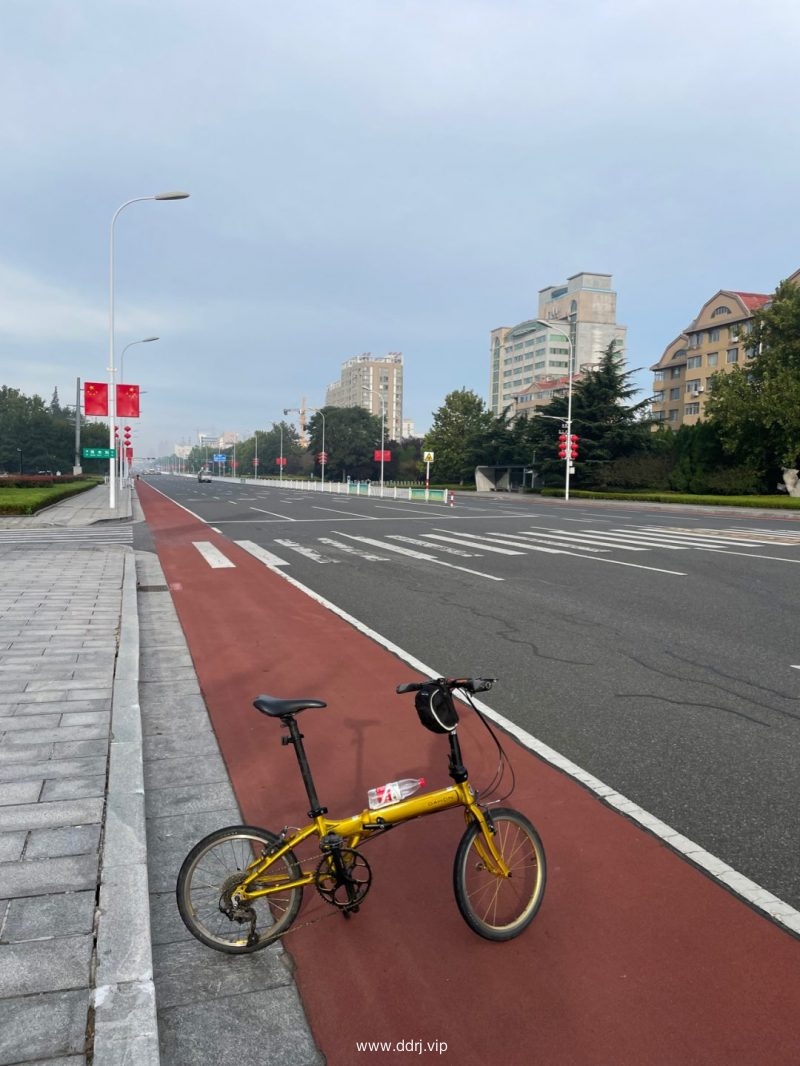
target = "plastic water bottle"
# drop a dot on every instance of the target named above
(393, 792)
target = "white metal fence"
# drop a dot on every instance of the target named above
(348, 488)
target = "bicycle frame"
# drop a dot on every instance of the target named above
(371, 823)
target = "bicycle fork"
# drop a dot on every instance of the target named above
(485, 844)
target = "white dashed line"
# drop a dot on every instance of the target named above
(213, 556)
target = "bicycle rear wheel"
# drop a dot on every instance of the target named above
(497, 907)
(211, 871)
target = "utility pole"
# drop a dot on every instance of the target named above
(76, 466)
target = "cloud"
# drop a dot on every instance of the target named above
(35, 311)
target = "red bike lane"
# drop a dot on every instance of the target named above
(635, 957)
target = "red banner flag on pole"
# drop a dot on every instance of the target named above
(95, 398)
(127, 401)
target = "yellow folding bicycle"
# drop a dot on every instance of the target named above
(240, 888)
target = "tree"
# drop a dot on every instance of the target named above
(756, 407)
(351, 436)
(609, 425)
(464, 435)
(698, 459)
(408, 463)
(280, 439)
(42, 436)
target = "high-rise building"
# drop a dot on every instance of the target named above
(374, 383)
(584, 309)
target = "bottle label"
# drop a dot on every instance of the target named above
(386, 794)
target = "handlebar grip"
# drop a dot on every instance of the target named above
(482, 684)
(409, 686)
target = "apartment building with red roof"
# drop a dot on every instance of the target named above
(714, 343)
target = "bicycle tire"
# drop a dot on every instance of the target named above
(500, 908)
(215, 861)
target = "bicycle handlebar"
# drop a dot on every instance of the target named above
(469, 684)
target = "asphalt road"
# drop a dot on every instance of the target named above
(656, 648)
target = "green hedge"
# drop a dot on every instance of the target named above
(27, 496)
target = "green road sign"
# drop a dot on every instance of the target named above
(98, 453)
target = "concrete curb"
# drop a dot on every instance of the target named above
(125, 1025)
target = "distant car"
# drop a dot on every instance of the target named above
(204, 476)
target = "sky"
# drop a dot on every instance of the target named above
(374, 176)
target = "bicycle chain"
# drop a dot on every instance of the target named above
(295, 927)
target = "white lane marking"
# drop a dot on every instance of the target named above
(775, 909)
(419, 555)
(471, 544)
(685, 536)
(750, 555)
(274, 514)
(524, 539)
(644, 541)
(771, 535)
(488, 541)
(335, 510)
(574, 555)
(424, 544)
(763, 535)
(309, 553)
(795, 667)
(619, 562)
(369, 556)
(263, 556)
(606, 537)
(213, 556)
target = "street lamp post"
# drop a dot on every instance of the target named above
(324, 459)
(568, 459)
(20, 459)
(144, 340)
(366, 388)
(112, 392)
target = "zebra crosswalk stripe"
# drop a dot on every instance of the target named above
(687, 538)
(350, 550)
(212, 555)
(421, 555)
(559, 538)
(472, 544)
(263, 556)
(309, 553)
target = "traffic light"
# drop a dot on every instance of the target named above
(562, 446)
(573, 446)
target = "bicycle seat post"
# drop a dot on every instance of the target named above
(295, 738)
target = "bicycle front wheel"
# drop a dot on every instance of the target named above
(208, 877)
(497, 907)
